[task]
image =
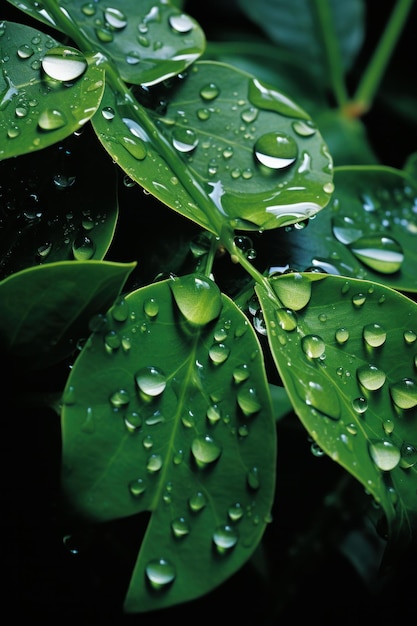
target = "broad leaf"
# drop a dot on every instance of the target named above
(167, 410)
(226, 148)
(148, 41)
(346, 352)
(367, 231)
(45, 310)
(57, 206)
(47, 90)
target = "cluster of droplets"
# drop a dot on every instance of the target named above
(141, 410)
(370, 231)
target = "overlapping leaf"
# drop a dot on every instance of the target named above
(167, 410)
(346, 350)
(45, 310)
(148, 41)
(368, 230)
(47, 91)
(221, 147)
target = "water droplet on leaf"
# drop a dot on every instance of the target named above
(64, 64)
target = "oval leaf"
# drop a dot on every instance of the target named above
(148, 41)
(168, 410)
(47, 91)
(46, 310)
(58, 209)
(243, 152)
(368, 230)
(346, 352)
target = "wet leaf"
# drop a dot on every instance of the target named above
(46, 310)
(47, 90)
(57, 207)
(368, 230)
(148, 41)
(225, 148)
(168, 410)
(346, 352)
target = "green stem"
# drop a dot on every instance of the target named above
(331, 47)
(372, 75)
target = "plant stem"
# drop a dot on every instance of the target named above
(372, 75)
(331, 46)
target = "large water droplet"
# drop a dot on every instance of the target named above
(83, 248)
(371, 377)
(180, 527)
(276, 150)
(151, 381)
(225, 538)
(266, 97)
(380, 253)
(384, 454)
(160, 573)
(197, 502)
(137, 487)
(51, 119)
(115, 18)
(64, 64)
(313, 346)
(181, 23)
(374, 335)
(219, 353)
(154, 463)
(209, 91)
(184, 140)
(248, 401)
(404, 393)
(198, 298)
(287, 319)
(408, 455)
(293, 290)
(205, 450)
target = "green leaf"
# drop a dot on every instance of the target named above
(148, 41)
(227, 148)
(168, 410)
(59, 207)
(346, 352)
(47, 91)
(45, 310)
(367, 231)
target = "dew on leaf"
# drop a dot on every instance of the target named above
(235, 512)
(108, 113)
(154, 463)
(409, 336)
(252, 478)
(382, 254)
(293, 290)
(205, 450)
(112, 341)
(51, 119)
(147, 442)
(88, 425)
(214, 413)
(313, 346)
(120, 310)
(374, 335)
(180, 527)
(248, 401)
(25, 51)
(241, 373)
(119, 398)
(371, 377)
(198, 298)
(358, 300)
(384, 454)
(404, 393)
(160, 573)
(104, 35)
(184, 140)
(266, 97)
(64, 64)
(89, 9)
(83, 248)
(360, 405)
(151, 308)
(225, 537)
(320, 395)
(342, 335)
(137, 487)
(151, 381)
(181, 24)
(209, 92)
(275, 150)
(133, 421)
(135, 147)
(115, 18)
(197, 502)
(408, 455)
(304, 128)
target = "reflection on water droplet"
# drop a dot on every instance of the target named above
(154, 463)
(241, 373)
(160, 573)
(214, 413)
(287, 319)
(51, 119)
(184, 140)
(219, 353)
(137, 487)
(108, 113)
(313, 346)
(409, 336)
(225, 537)
(151, 308)
(275, 150)
(360, 405)
(235, 512)
(408, 455)
(342, 335)
(83, 248)
(198, 298)
(293, 290)
(197, 502)
(371, 377)
(319, 394)
(25, 51)
(358, 300)
(374, 335)
(64, 64)
(115, 18)
(205, 450)
(248, 401)
(266, 97)
(380, 253)
(133, 421)
(404, 393)
(181, 23)
(304, 128)
(119, 398)
(151, 381)
(209, 91)
(384, 454)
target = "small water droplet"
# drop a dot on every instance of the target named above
(360, 404)
(342, 335)
(382, 254)
(384, 454)
(409, 336)
(25, 51)
(248, 401)
(83, 248)
(151, 308)
(225, 538)
(374, 335)
(151, 381)
(115, 18)
(371, 377)
(358, 300)
(286, 319)
(408, 455)
(180, 527)
(404, 393)
(51, 119)
(64, 64)
(209, 91)
(276, 150)
(154, 463)
(197, 502)
(214, 413)
(137, 487)
(108, 113)
(133, 421)
(205, 450)
(219, 353)
(198, 298)
(252, 479)
(235, 512)
(241, 373)
(119, 398)
(160, 573)
(304, 128)
(181, 24)
(184, 140)
(313, 346)
(120, 310)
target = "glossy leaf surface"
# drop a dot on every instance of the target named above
(242, 152)
(148, 41)
(46, 310)
(346, 351)
(57, 205)
(47, 90)
(167, 410)
(368, 230)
